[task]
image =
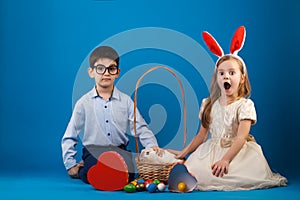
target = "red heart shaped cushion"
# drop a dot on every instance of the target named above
(110, 173)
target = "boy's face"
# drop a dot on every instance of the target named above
(105, 80)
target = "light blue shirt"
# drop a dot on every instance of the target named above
(103, 123)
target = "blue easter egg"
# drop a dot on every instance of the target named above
(152, 187)
(140, 181)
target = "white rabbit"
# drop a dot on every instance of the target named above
(149, 155)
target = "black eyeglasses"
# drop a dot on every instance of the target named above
(101, 69)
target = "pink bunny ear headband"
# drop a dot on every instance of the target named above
(237, 43)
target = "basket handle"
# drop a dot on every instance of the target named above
(135, 103)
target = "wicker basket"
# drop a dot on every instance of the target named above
(148, 170)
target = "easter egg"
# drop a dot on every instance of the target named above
(129, 188)
(147, 182)
(140, 187)
(181, 186)
(161, 187)
(151, 187)
(156, 181)
(140, 181)
(134, 182)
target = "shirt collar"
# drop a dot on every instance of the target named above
(115, 94)
(94, 92)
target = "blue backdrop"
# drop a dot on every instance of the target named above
(43, 69)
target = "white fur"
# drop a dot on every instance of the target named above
(149, 155)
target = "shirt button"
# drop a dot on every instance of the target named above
(108, 134)
(106, 121)
(105, 106)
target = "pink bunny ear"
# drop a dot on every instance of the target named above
(238, 40)
(212, 44)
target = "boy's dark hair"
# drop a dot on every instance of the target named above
(104, 52)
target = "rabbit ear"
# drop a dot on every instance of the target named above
(212, 44)
(238, 40)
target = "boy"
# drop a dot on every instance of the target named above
(104, 114)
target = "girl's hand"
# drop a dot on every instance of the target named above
(178, 154)
(220, 168)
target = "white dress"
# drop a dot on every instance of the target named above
(248, 170)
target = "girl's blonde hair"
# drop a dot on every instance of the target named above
(244, 89)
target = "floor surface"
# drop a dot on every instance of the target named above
(54, 187)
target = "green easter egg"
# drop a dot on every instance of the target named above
(156, 181)
(129, 188)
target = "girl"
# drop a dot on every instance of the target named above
(230, 159)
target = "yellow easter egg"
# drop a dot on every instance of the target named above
(181, 186)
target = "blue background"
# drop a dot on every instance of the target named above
(43, 44)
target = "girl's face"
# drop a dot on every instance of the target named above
(229, 77)
(105, 80)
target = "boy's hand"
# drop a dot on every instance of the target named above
(158, 150)
(73, 172)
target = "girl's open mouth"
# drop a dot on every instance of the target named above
(227, 85)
